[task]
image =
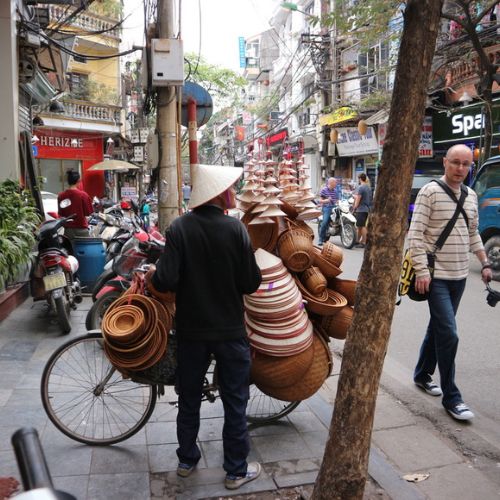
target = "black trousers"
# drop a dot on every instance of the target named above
(233, 370)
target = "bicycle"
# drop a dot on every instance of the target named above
(90, 401)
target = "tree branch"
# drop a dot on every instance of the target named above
(485, 11)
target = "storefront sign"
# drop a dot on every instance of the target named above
(464, 124)
(425, 146)
(138, 153)
(425, 149)
(351, 143)
(61, 142)
(278, 137)
(338, 116)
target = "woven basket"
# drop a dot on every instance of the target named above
(306, 294)
(337, 326)
(345, 287)
(332, 253)
(330, 307)
(280, 372)
(261, 235)
(300, 224)
(314, 280)
(135, 331)
(329, 269)
(296, 249)
(312, 380)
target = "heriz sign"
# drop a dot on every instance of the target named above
(61, 142)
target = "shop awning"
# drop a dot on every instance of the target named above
(340, 115)
(381, 116)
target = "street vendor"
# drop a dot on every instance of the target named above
(209, 263)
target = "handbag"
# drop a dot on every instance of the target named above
(407, 278)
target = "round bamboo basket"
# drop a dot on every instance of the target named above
(296, 249)
(337, 326)
(345, 287)
(332, 253)
(313, 280)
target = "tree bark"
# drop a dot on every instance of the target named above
(344, 468)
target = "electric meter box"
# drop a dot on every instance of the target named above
(167, 62)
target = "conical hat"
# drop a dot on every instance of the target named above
(272, 211)
(261, 220)
(210, 181)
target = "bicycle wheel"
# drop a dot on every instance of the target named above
(88, 400)
(262, 409)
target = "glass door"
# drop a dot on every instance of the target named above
(53, 173)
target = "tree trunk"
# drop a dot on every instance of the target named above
(345, 462)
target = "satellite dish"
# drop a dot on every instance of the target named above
(204, 105)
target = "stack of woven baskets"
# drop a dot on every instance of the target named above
(135, 329)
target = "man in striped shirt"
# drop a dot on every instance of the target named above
(328, 199)
(433, 209)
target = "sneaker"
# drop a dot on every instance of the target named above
(460, 412)
(430, 388)
(184, 470)
(233, 482)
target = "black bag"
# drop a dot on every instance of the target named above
(407, 278)
(164, 371)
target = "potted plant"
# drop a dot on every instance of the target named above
(18, 222)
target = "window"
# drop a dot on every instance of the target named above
(374, 64)
(78, 85)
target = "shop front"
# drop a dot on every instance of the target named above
(465, 125)
(57, 151)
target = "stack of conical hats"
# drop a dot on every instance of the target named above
(276, 321)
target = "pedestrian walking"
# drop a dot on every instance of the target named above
(434, 208)
(76, 202)
(361, 208)
(328, 198)
(209, 263)
(186, 195)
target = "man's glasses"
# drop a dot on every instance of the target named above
(458, 163)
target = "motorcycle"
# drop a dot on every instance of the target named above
(142, 248)
(53, 276)
(343, 223)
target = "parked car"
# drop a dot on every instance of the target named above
(49, 201)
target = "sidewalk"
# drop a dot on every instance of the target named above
(144, 466)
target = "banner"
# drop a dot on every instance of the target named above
(351, 143)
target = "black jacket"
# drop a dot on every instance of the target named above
(209, 263)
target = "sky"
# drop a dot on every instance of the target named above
(222, 22)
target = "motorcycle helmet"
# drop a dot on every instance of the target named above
(125, 205)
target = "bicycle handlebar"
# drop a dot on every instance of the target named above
(31, 459)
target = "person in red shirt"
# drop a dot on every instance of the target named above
(75, 202)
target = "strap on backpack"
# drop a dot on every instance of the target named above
(451, 194)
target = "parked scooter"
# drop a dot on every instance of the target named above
(142, 248)
(53, 276)
(343, 223)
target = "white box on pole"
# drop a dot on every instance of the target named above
(167, 62)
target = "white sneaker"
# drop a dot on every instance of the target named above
(430, 388)
(460, 412)
(233, 482)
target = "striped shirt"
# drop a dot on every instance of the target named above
(433, 209)
(330, 194)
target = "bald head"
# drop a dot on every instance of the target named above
(331, 182)
(459, 149)
(457, 163)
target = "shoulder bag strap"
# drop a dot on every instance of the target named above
(447, 230)
(451, 194)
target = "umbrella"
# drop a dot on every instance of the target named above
(113, 165)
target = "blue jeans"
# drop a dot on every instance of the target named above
(233, 370)
(441, 340)
(327, 212)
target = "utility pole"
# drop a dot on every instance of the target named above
(326, 77)
(168, 206)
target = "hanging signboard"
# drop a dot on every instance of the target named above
(134, 136)
(338, 116)
(351, 143)
(143, 135)
(425, 146)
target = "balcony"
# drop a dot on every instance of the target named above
(85, 20)
(83, 115)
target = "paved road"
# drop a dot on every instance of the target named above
(477, 365)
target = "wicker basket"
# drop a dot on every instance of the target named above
(330, 307)
(296, 249)
(332, 253)
(337, 326)
(261, 235)
(314, 281)
(300, 224)
(312, 380)
(306, 294)
(280, 372)
(345, 287)
(329, 269)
